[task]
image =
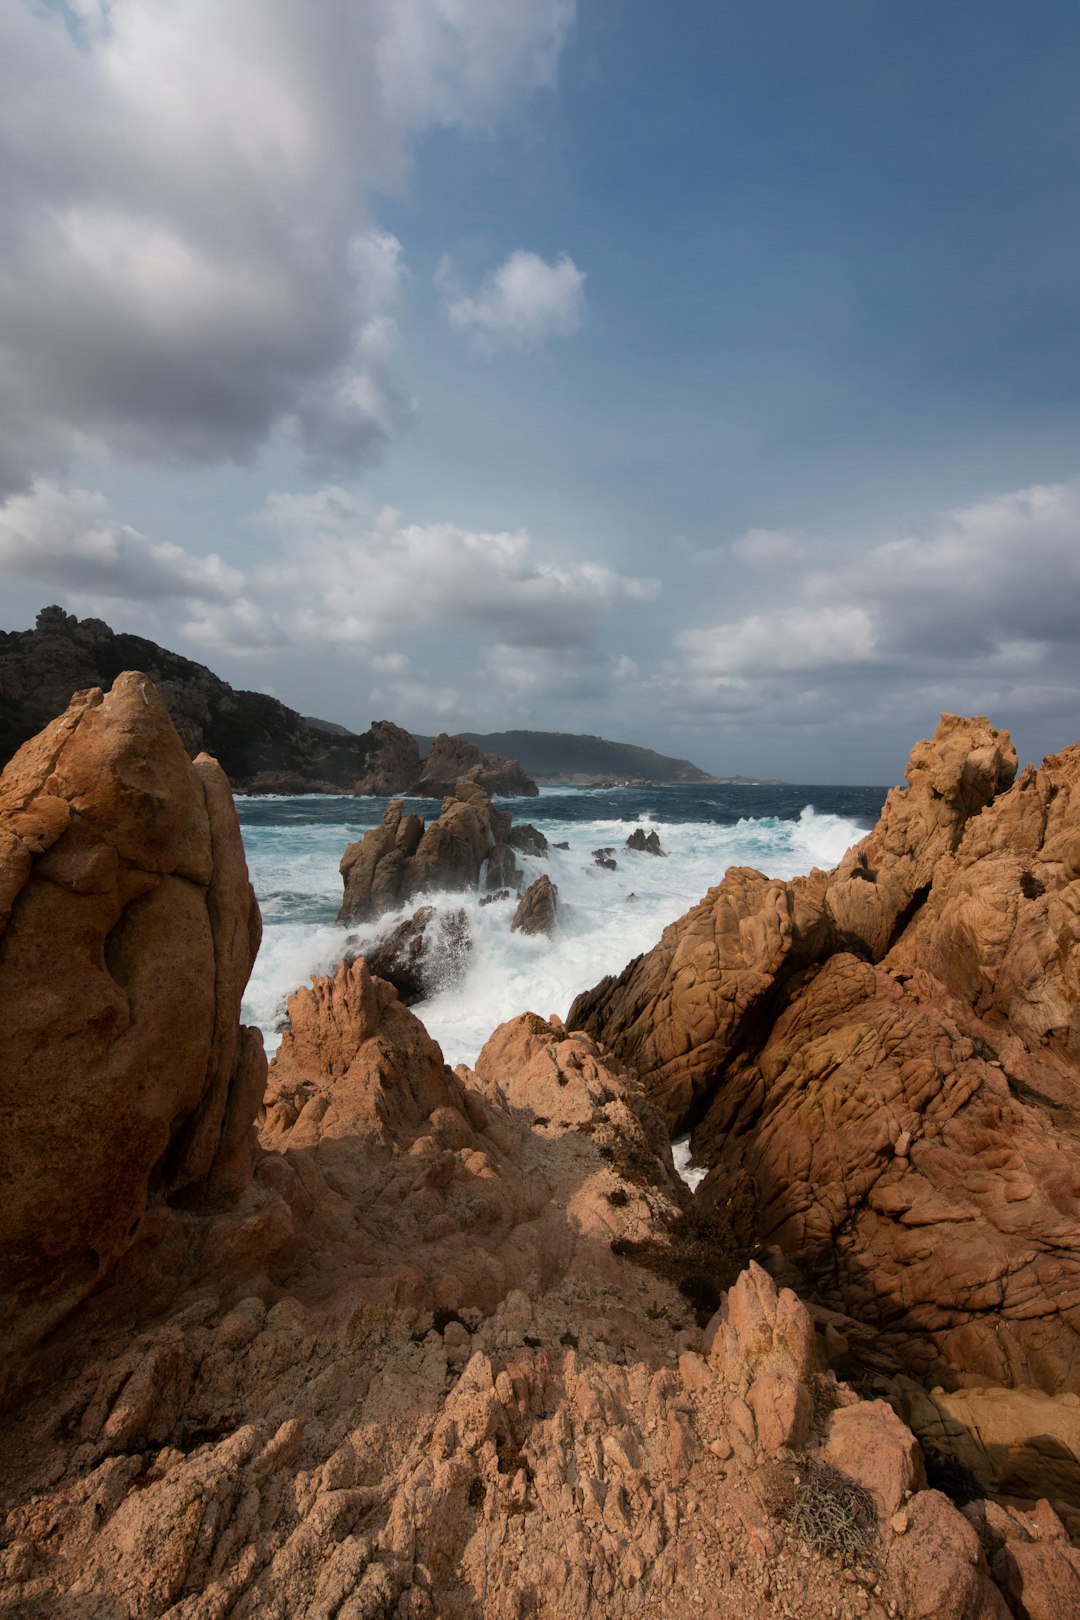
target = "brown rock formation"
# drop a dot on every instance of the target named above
(882, 1062)
(538, 909)
(402, 858)
(127, 933)
(394, 761)
(454, 759)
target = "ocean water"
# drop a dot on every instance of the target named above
(605, 918)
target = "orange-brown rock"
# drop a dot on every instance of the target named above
(459, 1395)
(465, 1377)
(127, 932)
(881, 1063)
(402, 858)
(538, 909)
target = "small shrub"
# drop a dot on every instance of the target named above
(829, 1512)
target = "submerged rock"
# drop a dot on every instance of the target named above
(529, 839)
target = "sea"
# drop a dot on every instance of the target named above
(606, 918)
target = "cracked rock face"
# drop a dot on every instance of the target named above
(454, 1394)
(127, 933)
(402, 857)
(881, 1063)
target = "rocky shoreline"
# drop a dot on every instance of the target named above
(362, 1336)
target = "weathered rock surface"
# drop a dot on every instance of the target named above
(528, 839)
(538, 909)
(456, 1395)
(454, 759)
(393, 762)
(440, 1358)
(388, 866)
(881, 1063)
(127, 932)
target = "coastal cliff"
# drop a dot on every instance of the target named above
(442, 1343)
(262, 745)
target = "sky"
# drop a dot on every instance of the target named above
(705, 376)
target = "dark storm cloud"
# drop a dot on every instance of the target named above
(185, 255)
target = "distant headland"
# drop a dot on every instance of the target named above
(266, 747)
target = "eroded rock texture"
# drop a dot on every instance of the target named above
(402, 858)
(881, 1062)
(127, 932)
(458, 1393)
(446, 1354)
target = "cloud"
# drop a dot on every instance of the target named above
(977, 614)
(521, 304)
(60, 538)
(187, 259)
(794, 639)
(764, 547)
(359, 575)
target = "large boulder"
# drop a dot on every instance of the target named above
(401, 858)
(128, 929)
(538, 909)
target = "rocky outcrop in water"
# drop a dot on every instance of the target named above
(404, 857)
(453, 760)
(881, 1063)
(423, 954)
(645, 843)
(392, 763)
(538, 909)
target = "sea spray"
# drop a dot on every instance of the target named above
(606, 917)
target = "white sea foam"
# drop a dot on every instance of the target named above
(693, 1174)
(605, 917)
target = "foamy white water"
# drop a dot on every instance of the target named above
(605, 918)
